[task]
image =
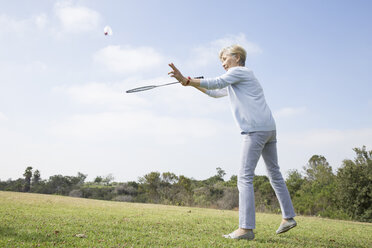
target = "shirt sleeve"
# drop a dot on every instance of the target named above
(217, 93)
(230, 77)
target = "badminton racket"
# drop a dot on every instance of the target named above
(150, 87)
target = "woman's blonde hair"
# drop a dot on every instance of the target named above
(235, 50)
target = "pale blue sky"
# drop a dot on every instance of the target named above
(63, 110)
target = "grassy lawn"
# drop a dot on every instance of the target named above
(34, 220)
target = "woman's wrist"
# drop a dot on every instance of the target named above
(184, 80)
(188, 80)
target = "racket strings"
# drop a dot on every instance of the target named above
(149, 87)
(141, 88)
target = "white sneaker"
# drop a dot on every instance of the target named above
(289, 224)
(248, 236)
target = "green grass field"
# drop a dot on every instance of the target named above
(34, 220)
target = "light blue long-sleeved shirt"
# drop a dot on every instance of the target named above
(247, 99)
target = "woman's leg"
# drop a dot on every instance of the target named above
(270, 156)
(253, 145)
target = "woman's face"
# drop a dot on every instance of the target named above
(228, 60)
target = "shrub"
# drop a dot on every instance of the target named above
(230, 199)
(124, 198)
(76, 193)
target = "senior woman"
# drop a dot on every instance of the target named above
(257, 126)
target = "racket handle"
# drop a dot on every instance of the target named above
(201, 77)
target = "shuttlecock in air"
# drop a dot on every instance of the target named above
(107, 30)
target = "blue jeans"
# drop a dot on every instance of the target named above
(256, 144)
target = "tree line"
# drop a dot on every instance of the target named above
(316, 191)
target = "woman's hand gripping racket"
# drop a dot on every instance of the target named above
(150, 87)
